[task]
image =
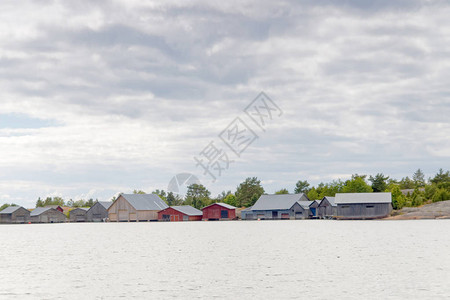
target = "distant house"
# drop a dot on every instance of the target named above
(313, 207)
(98, 212)
(327, 208)
(409, 192)
(78, 214)
(219, 211)
(287, 206)
(180, 213)
(363, 205)
(57, 207)
(247, 214)
(47, 215)
(14, 215)
(136, 207)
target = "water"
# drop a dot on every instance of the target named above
(313, 259)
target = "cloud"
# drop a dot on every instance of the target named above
(118, 95)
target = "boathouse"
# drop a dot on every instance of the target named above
(136, 207)
(14, 215)
(219, 211)
(78, 214)
(313, 207)
(287, 206)
(98, 212)
(327, 208)
(180, 213)
(363, 205)
(47, 215)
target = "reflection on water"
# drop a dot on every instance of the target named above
(269, 259)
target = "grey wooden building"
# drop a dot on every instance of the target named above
(98, 212)
(47, 215)
(313, 207)
(363, 205)
(78, 214)
(136, 207)
(274, 207)
(327, 208)
(14, 215)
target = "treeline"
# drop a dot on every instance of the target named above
(414, 191)
(61, 202)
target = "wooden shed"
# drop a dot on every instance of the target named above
(287, 206)
(363, 205)
(98, 212)
(47, 215)
(313, 208)
(219, 211)
(78, 214)
(327, 208)
(180, 213)
(136, 207)
(57, 207)
(14, 215)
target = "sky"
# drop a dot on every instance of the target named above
(102, 97)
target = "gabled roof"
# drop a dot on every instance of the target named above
(10, 209)
(188, 210)
(227, 206)
(305, 204)
(82, 208)
(277, 202)
(105, 204)
(39, 210)
(145, 201)
(354, 198)
(330, 200)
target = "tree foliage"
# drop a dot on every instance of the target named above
(248, 192)
(197, 196)
(282, 192)
(301, 187)
(379, 182)
(357, 184)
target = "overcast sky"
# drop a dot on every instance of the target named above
(101, 97)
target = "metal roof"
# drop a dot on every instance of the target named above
(82, 208)
(354, 198)
(188, 210)
(228, 206)
(331, 200)
(277, 202)
(305, 204)
(145, 201)
(106, 204)
(39, 210)
(10, 209)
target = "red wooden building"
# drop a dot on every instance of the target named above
(180, 213)
(219, 211)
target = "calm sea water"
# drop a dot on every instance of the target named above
(256, 259)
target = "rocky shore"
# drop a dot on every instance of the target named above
(437, 210)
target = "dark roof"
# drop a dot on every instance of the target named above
(106, 204)
(228, 206)
(355, 198)
(188, 210)
(277, 202)
(145, 201)
(10, 209)
(82, 208)
(39, 210)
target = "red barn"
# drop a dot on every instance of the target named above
(219, 211)
(180, 213)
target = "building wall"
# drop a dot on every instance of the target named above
(176, 216)
(214, 212)
(363, 210)
(122, 211)
(326, 210)
(77, 215)
(50, 216)
(21, 215)
(96, 213)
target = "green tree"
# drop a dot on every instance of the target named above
(173, 200)
(282, 192)
(379, 183)
(39, 202)
(7, 205)
(442, 179)
(230, 199)
(247, 191)
(313, 194)
(301, 187)
(398, 199)
(441, 195)
(419, 178)
(139, 192)
(406, 183)
(197, 195)
(357, 184)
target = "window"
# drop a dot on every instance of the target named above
(345, 206)
(370, 206)
(166, 217)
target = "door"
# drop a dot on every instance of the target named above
(313, 211)
(274, 215)
(224, 214)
